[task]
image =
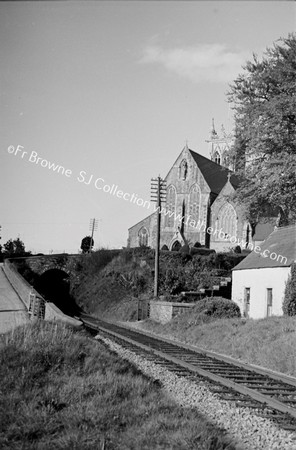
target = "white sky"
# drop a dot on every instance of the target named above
(113, 89)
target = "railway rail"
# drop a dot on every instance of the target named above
(270, 394)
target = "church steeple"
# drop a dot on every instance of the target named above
(219, 145)
(213, 132)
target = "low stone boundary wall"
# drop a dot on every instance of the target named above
(52, 312)
(26, 291)
(163, 312)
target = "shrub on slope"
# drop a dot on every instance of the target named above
(207, 310)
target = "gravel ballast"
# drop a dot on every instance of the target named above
(249, 431)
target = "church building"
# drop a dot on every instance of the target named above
(198, 209)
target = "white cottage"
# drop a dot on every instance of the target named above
(258, 282)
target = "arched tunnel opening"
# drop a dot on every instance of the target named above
(54, 286)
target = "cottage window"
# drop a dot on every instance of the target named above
(269, 302)
(246, 311)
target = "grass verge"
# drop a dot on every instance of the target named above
(267, 342)
(62, 390)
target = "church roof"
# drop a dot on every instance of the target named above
(280, 244)
(215, 175)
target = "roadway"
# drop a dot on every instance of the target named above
(12, 310)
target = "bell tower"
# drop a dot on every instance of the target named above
(219, 144)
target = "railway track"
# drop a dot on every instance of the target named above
(270, 394)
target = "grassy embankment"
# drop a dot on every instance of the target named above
(62, 390)
(109, 283)
(110, 287)
(268, 342)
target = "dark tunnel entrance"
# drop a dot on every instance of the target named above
(54, 286)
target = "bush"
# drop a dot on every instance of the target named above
(173, 281)
(96, 261)
(218, 307)
(289, 303)
(201, 251)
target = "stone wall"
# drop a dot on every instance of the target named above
(163, 312)
(42, 263)
(54, 313)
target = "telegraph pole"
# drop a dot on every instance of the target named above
(0, 243)
(93, 225)
(158, 193)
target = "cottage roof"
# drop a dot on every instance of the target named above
(280, 245)
(215, 175)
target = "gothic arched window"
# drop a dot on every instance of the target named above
(143, 237)
(194, 203)
(170, 207)
(217, 157)
(176, 246)
(227, 220)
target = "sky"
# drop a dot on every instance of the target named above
(96, 94)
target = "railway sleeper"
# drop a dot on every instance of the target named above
(211, 366)
(249, 404)
(221, 390)
(278, 393)
(233, 372)
(277, 388)
(235, 398)
(286, 400)
(243, 379)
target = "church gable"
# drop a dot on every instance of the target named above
(192, 183)
(143, 233)
(187, 199)
(185, 172)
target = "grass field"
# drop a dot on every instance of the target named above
(62, 390)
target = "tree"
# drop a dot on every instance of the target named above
(14, 248)
(264, 101)
(289, 303)
(87, 244)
